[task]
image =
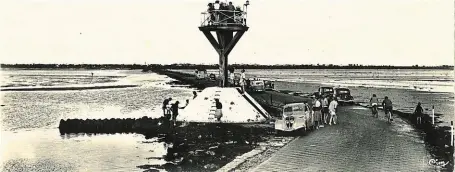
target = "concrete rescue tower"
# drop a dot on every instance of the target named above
(228, 23)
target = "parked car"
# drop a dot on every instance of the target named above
(256, 85)
(343, 95)
(269, 85)
(325, 91)
(295, 116)
(201, 73)
(212, 76)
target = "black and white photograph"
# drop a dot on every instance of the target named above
(227, 85)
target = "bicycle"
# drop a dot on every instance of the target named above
(388, 115)
(374, 109)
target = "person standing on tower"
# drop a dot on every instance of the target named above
(231, 9)
(216, 13)
(211, 13)
(223, 14)
(217, 5)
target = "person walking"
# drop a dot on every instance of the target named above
(418, 112)
(332, 110)
(218, 112)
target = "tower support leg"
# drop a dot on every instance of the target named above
(224, 46)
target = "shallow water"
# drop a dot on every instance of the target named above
(46, 150)
(30, 139)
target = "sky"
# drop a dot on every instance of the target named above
(376, 32)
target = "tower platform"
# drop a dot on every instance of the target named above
(237, 108)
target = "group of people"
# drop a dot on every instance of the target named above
(221, 12)
(171, 110)
(388, 108)
(324, 110)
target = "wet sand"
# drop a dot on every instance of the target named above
(207, 147)
(66, 88)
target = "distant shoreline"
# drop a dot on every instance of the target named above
(195, 66)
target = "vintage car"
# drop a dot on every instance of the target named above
(343, 95)
(256, 86)
(295, 116)
(269, 85)
(325, 91)
(212, 76)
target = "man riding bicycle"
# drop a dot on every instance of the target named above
(374, 105)
(387, 105)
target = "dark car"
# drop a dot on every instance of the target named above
(269, 85)
(343, 95)
(325, 91)
(212, 76)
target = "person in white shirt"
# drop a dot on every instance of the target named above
(317, 112)
(332, 109)
(325, 109)
(217, 5)
(243, 81)
(232, 77)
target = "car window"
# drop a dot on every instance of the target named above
(298, 108)
(327, 90)
(258, 83)
(343, 91)
(288, 109)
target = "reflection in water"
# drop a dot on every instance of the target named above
(47, 150)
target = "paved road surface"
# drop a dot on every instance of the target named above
(358, 142)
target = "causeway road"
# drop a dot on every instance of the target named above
(359, 142)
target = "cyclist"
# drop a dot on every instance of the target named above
(374, 105)
(387, 105)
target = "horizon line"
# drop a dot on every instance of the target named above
(214, 64)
